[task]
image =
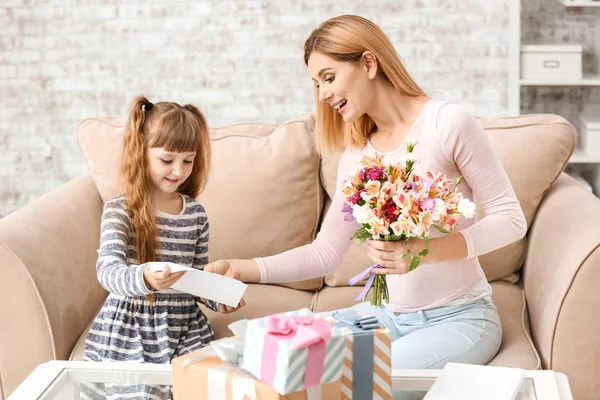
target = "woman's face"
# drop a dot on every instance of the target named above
(345, 86)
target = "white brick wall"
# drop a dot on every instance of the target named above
(239, 60)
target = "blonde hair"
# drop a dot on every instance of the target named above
(176, 129)
(346, 38)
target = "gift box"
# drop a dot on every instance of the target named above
(294, 350)
(204, 375)
(370, 344)
(218, 371)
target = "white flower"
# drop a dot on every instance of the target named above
(388, 161)
(410, 157)
(440, 207)
(439, 210)
(364, 214)
(410, 142)
(466, 208)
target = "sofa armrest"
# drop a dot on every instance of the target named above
(561, 276)
(48, 285)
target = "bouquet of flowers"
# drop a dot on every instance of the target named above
(394, 204)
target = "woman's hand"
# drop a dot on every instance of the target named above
(224, 267)
(223, 309)
(160, 280)
(394, 256)
(242, 270)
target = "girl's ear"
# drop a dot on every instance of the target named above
(370, 64)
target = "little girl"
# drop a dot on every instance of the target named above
(165, 165)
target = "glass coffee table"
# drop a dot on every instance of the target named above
(63, 379)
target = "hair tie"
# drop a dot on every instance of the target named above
(147, 106)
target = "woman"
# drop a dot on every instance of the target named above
(366, 103)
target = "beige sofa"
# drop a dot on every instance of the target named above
(268, 190)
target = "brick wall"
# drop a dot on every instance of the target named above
(239, 60)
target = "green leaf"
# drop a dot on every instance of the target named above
(386, 237)
(390, 170)
(414, 263)
(459, 180)
(439, 228)
(423, 253)
(426, 239)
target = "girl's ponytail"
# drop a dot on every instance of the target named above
(137, 184)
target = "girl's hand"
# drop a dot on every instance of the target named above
(390, 255)
(160, 280)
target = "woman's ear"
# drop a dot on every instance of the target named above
(370, 64)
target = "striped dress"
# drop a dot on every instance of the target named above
(126, 329)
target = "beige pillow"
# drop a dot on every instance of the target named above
(534, 149)
(101, 143)
(263, 194)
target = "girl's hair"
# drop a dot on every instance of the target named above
(176, 129)
(346, 38)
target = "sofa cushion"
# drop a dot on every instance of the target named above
(263, 194)
(534, 149)
(517, 348)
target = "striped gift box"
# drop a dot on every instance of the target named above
(370, 378)
(291, 363)
(202, 375)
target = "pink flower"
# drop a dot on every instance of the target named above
(354, 198)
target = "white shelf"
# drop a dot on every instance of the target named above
(579, 157)
(588, 80)
(579, 3)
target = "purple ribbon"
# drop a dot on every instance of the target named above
(369, 283)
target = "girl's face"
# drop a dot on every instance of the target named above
(345, 86)
(169, 170)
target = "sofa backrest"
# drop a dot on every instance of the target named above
(269, 188)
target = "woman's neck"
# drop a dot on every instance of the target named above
(393, 112)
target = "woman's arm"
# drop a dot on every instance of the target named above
(319, 258)
(466, 144)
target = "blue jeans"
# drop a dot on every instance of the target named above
(469, 333)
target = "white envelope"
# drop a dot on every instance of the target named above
(475, 382)
(215, 287)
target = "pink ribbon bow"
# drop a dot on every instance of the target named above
(305, 331)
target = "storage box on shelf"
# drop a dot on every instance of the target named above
(580, 3)
(589, 134)
(551, 62)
